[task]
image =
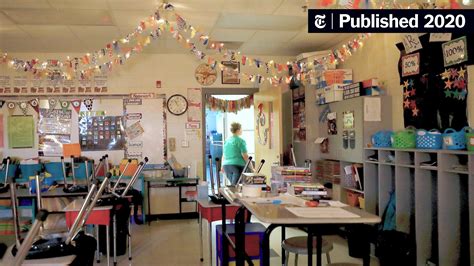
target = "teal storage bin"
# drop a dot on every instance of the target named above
(80, 170)
(11, 171)
(28, 170)
(55, 169)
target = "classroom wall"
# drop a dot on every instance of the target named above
(176, 72)
(379, 58)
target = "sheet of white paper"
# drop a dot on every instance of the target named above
(283, 199)
(333, 203)
(319, 140)
(440, 37)
(348, 169)
(372, 109)
(332, 116)
(322, 212)
(412, 43)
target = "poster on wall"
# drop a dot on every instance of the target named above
(194, 105)
(21, 131)
(135, 130)
(99, 133)
(54, 130)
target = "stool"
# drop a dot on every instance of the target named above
(254, 233)
(298, 245)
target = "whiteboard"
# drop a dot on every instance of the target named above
(153, 122)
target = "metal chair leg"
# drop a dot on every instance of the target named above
(287, 255)
(115, 239)
(97, 252)
(107, 240)
(296, 259)
(129, 240)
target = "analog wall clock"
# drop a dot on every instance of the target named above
(205, 74)
(177, 104)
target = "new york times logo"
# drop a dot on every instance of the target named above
(320, 21)
(363, 21)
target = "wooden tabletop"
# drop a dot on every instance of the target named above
(207, 203)
(279, 213)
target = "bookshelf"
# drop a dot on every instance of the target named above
(435, 203)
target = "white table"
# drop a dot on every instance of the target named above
(278, 215)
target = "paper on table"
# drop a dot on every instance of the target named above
(333, 203)
(372, 109)
(323, 212)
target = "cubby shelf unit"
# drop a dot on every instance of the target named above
(434, 203)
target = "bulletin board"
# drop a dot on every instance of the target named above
(149, 114)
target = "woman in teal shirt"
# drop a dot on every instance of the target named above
(235, 154)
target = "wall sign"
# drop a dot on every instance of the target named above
(133, 116)
(412, 43)
(440, 37)
(193, 125)
(411, 65)
(455, 51)
(149, 95)
(132, 101)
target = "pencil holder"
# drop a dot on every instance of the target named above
(404, 139)
(382, 139)
(432, 139)
(454, 140)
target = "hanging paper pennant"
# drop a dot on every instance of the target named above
(11, 107)
(76, 104)
(64, 105)
(23, 107)
(35, 105)
(2, 102)
(89, 103)
(52, 103)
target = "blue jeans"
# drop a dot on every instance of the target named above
(233, 172)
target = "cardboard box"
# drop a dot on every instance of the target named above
(374, 82)
(329, 94)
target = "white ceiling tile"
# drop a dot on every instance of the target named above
(12, 32)
(260, 22)
(87, 17)
(318, 41)
(82, 4)
(201, 5)
(49, 32)
(4, 20)
(35, 16)
(205, 20)
(19, 45)
(129, 18)
(93, 32)
(252, 6)
(266, 49)
(133, 4)
(231, 35)
(24, 4)
(265, 36)
(292, 8)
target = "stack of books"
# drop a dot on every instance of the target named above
(310, 190)
(284, 175)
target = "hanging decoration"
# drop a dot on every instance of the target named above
(23, 107)
(76, 104)
(231, 106)
(52, 103)
(11, 107)
(88, 103)
(64, 105)
(34, 103)
(2, 102)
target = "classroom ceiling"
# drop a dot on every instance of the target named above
(258, 27)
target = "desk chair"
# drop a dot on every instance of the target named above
(298, 245)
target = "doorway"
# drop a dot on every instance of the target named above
(216, 126)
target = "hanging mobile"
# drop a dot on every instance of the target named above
(52, 103)
(11, 105)
(24, 108)
(88, 103)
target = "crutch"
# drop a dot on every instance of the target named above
(73, 171)
(121, 175)
(30, 237)
(218, 175)
(15, 214)
(260, 166)
(241, 177)
(134, 178)
(64, 173)
(211, 174)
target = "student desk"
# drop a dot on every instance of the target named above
(100, 215)
(277, 215)
(212, 212)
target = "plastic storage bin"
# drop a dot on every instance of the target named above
(404, 139)
(11, 171)
(55, 169)
(382, 139)
(454, 140)
(28, 170)
(432, 139)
